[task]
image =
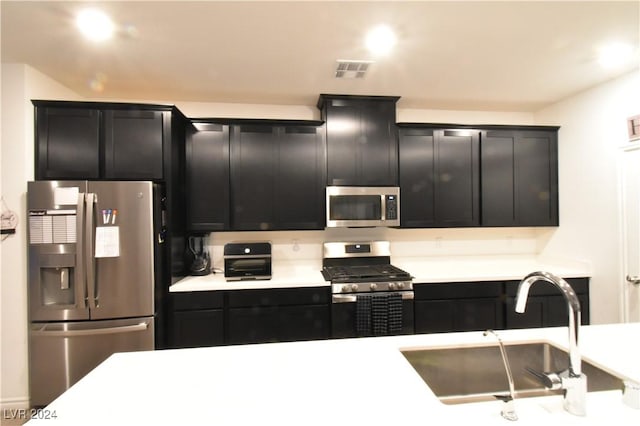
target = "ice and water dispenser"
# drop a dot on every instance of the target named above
(54, 269)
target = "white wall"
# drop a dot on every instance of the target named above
(20, 84)
(593, 128)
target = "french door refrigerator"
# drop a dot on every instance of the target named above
(92, 262)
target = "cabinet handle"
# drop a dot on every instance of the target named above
(633, 279)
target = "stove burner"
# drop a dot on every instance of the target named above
(356, 273)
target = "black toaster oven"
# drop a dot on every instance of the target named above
(247, 261)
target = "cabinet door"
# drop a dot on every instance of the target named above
(67, 143)
(207, 176)
(434, 316)
(439, 178)
(457, 178)
(133, 144)
(498, 178)
(417, 179)
(378, 144)
(197, 328)
(536, 178)
(253, 154)
(362, 142)
(519, 178)
(299, 184)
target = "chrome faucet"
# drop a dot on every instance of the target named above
(573, 382)
(508, 410)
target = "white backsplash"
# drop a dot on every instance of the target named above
(307, 245)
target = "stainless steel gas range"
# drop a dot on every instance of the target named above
(370, 297)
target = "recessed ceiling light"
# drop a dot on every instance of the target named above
(614, 55)
(94, 24)
(380, 40)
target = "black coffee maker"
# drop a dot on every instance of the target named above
(200, 259)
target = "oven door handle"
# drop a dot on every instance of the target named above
(351, 298)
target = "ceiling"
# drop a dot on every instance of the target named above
(508, 55)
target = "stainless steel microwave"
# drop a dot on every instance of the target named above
(358, 206)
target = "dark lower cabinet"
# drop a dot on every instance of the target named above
(196, 319)
(278, 315)
(262, 324)
(446, 307)
(210, 318)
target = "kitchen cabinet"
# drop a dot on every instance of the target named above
(278, 315)
(439, 177)
(197, 319)
(546, 306)
(207, 177)
(277, 176)
(519, 176)
(92, 140)
(362, 139)
(445, 307)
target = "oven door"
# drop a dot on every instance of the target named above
(343, 315)
(247, 268)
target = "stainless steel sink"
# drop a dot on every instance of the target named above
(476, 373)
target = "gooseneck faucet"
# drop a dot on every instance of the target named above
(573, 381)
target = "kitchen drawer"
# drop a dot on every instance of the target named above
(194, 300)
(457, 290)
(279, 297)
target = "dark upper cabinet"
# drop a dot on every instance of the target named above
(67, 143)
(299, 178)
(255, 175)
(439, 177)
(362, 141)
(133, 144)
(92, 140)
(207, 177)
(277, 176)
(519, 177)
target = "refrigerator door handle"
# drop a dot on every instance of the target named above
(90, 263)
(80, 276)
(47, 331)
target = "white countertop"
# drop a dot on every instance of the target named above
(306, 273)
(364, 381)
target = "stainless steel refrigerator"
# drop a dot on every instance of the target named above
(91, 274)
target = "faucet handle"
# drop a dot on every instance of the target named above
(549, 380)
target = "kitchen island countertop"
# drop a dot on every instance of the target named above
(363, 381)
(306, 273)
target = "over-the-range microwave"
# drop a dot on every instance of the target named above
(359, 206)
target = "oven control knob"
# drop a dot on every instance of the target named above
(346, 288)
(400, 286)
(373, 286)
(354, 287)
(392, 286)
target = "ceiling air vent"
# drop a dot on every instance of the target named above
(352, 69)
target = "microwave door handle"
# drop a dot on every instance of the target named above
(90, 263)
(383, 207)
(80, 275)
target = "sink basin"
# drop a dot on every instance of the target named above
(459, 375)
